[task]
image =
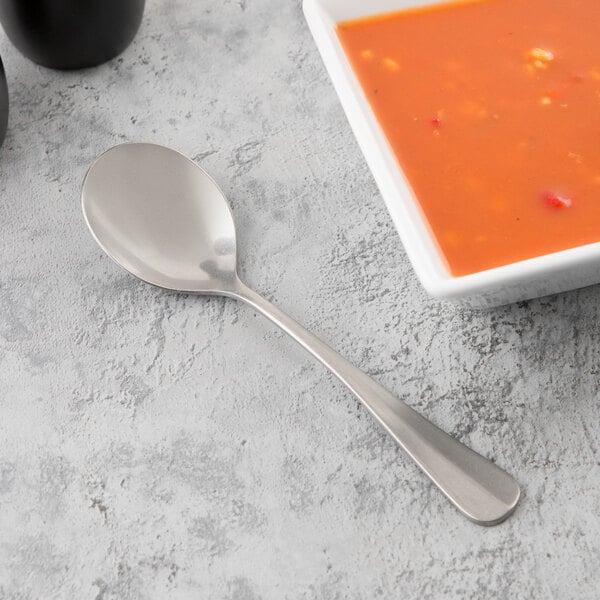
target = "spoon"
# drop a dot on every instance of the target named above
(161, 217)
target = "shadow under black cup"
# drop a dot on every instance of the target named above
(71, 34)
(3, 103)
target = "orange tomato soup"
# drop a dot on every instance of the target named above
(492, 109)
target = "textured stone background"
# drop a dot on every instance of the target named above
(154, 446)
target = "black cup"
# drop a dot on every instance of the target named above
(71, 34)
(3, 103)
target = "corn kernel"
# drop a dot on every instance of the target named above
(542, 55)
(391, 64)
(539, 59)
(576, 157)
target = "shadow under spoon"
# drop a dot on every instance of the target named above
(162, 218)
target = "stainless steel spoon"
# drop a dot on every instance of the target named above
(162, 218)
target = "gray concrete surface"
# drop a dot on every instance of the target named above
(154, 446)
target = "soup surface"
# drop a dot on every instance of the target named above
(492, 108)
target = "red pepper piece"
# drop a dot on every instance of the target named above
(554, 200)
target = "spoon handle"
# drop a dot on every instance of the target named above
(476, 486)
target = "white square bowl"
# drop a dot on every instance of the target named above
(540, 276)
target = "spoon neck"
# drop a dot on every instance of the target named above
(240, 291)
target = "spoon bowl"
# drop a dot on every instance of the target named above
(163, 218)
